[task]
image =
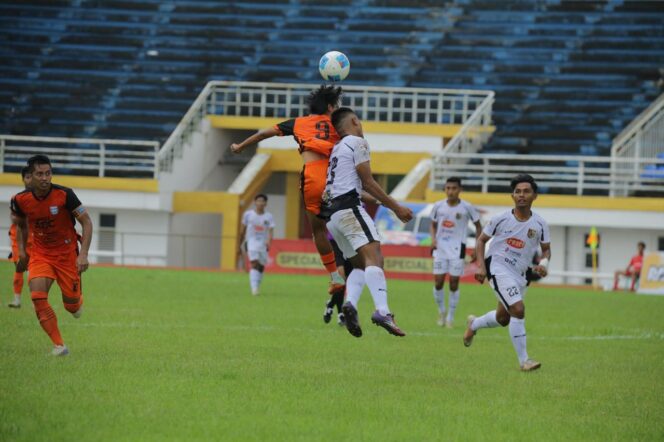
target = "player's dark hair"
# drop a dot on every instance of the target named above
(454, 179)
(25, 171)
(339, 115)
(323, 97)
(261, 195)
(523, 178)
(37, 160)
(642, 244)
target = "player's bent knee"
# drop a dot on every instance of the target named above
(518, 310)
(504, 321)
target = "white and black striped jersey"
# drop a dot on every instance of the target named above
(342, 176)
(258, 228)
(515, 243)
(452, 227)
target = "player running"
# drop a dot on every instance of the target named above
(13, 233)
(517, 234)
(50, 211)
(449, 229)
(352, 228)
(258, 228)
(316, 137)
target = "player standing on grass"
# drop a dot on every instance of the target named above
(50, 211)
(449, 229)
(258, 228)
(13, 236)
(316, 137)
(517, 234)
(352, 228)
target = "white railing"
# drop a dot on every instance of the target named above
(580, 175)
(475, 132)
(86, 156)
(643, 138)
(285, 100)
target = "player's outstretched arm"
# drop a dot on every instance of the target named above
(86, 238)
(374, 189)
(480, 246)
(255, 138)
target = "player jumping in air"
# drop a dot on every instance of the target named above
(316, 137)
(449, 229)
(352, 228)
(258, 229)
(13, 236)
(517, 234)
(49, 211)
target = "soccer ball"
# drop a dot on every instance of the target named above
(334, 66)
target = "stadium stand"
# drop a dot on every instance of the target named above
(568, 75)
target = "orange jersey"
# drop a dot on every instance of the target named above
(313, 132)
(50, 220)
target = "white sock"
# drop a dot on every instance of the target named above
(488, 320)
(354, 286)
(17, 298)
(375, 278)
(254, 279)
(454, 300)
(336, 277)
(439, 297)
(518, 335)
(260, 278)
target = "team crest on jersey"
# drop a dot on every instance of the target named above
(532, 233)
(515, 242)
(53, 209)
(458, 216)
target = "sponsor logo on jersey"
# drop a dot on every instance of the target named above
(259, 228)
(448, 224)
(53, 209)
(532, 233)
(515, 242)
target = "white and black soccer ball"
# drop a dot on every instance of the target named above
(334, 66)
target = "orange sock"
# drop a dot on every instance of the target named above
(329, 261)
(18, 283)
(46, 317)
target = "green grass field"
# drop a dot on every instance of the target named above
(178, 355)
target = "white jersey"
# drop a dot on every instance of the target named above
(452, 227)
(342, 176)
(515, 243)
(258, 228)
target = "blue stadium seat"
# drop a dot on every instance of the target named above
(568, 75)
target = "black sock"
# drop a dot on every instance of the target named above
(338, 300)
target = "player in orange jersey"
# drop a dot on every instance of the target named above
(13, 231)
(50, 212)
(316, 137)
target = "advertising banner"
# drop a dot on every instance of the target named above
(404, 262)
(652, 274)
